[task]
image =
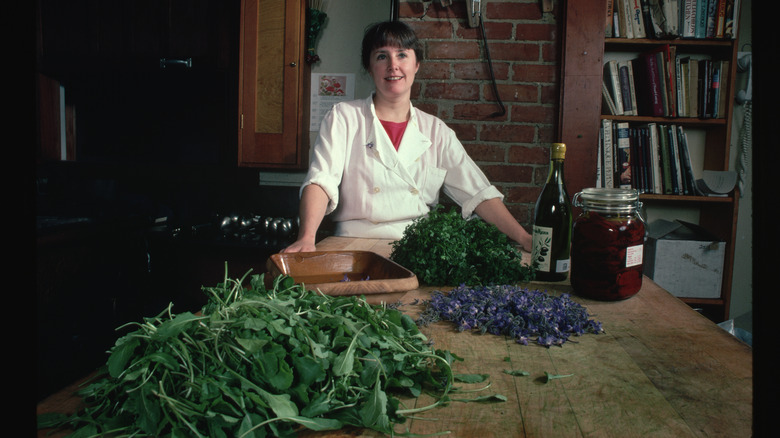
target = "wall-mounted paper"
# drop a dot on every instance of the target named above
(326, 90)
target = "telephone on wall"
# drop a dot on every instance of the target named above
(745, 97)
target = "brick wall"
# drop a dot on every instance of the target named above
(454, 84)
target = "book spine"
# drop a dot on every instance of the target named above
(623, 155)
(674, 162)
(653, 85)
(614, 79)
(701, 19)
(637, 19)
(607, 169)
(609, 21)
(655, 159)
(666, 168)
(712, 17)
(722, 89)
(625, 89)
(720, 22)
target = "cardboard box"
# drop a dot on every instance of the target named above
(684, 259)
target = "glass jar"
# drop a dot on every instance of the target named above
(607, 244)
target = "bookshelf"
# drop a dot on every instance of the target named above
(585, 50)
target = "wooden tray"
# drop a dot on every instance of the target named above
(343, 272)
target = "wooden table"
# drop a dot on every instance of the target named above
(660, 370)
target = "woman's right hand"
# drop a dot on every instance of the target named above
(301, 245)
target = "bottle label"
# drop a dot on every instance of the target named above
(633, 256)
(542, 251)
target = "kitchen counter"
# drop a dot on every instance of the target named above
(660, 369)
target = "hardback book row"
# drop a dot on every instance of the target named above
(661, 83)
(670, 19)
(650, 158)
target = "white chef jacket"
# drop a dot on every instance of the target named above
(375, 191)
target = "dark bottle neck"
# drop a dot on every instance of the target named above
(555, 175)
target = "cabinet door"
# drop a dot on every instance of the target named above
(272, 85)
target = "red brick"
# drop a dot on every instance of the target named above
(534, 114)
(497, 10)
(507, 173)
(493, 30)
(514, 51)
(536, 32)
(454, 91)
(512, 92)
(547, 73)
(486, 152)
(410, 10)
(523, 194)
(431, 29)
(434, 70)
(478, 111)
(464, 131)
(479, 70)
(452, 50)
(528, 155)
(507, 133)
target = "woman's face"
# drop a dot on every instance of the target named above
(393, 70)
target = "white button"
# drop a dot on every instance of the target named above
(376, 189)
(414, 191)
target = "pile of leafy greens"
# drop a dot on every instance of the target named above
(444, 249)
(259, 362)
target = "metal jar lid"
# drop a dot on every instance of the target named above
(608, 200)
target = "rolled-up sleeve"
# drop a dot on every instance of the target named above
(465, 182)
(328, 155)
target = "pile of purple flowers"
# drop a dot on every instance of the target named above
(511, 311)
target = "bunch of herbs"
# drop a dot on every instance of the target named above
(512, 311)
(259, 362)
(444, 249)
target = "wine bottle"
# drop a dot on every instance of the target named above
(552, 223)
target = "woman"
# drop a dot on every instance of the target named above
(379, 163)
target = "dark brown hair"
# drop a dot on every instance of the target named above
(389, 33)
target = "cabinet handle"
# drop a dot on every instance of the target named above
(293, 64)
(166, 62)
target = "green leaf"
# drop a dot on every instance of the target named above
(550, 376)
(516, 372)
(471, 378)
(120, 355)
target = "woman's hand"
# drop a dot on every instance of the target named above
(301, 245)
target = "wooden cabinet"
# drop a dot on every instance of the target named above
(585, 50)
(273, 85)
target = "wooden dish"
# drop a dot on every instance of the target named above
(343, 272)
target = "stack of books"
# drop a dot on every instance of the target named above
(661, 83)
(651, 158)
(670, 19)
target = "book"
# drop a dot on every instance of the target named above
(688, 18)
(600, 159)
(632, 86)
(669, 69)
(666, 169)
(655, 158)
(712, 12)
(705, 78)
(722, 90)
(607, 104)
(648, 20)
(612, 78)
(693, 87)
(624, 19)
(609, 20)
(623, 156)
(713, 90)
(732, 19)
(608, 166)
(637, 19)
(720, 19)
(657, 21)
(701, 19)
(685, 162)
(625, 88)
(684, 104)
(648, 85)
(671, 12)
(674, 162)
